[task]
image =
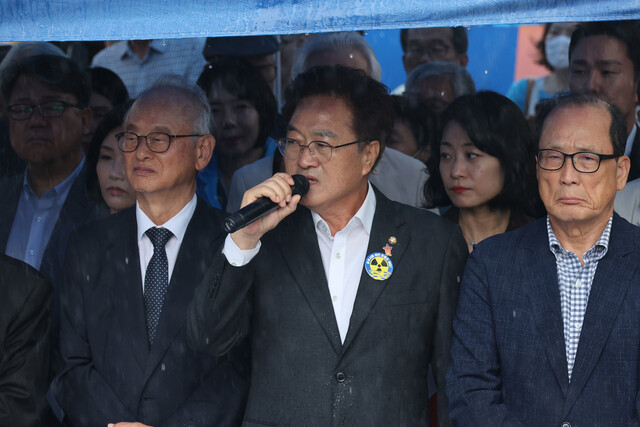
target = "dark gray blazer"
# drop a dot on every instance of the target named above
(110, 372)
(301, 372)
(508, 363)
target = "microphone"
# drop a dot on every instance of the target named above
(262, 206)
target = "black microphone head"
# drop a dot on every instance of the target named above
(300, 186)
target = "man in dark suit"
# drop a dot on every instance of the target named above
(129, 279)
(46, 98)
(546, 331)
(351, 296)
(605, 61)
(25, 319)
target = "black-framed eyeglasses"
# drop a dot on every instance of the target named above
(583, 161)
(158, 142)
(319, 150)
(435, 51)
(49, 109)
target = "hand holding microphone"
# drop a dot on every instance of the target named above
(275, 186)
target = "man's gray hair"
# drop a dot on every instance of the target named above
(336, 42)
(202, 118)
(458, 76)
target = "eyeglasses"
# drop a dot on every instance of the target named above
(583, 161)
(158, 142)
(49, 109)
(435, 51)
(321, 151)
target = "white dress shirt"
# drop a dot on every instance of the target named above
(177, 225)
(343, 257)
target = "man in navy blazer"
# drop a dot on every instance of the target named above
(546, 331)
(126, 289)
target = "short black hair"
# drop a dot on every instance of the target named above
(368, 100)
(107, 83)
(617, 129)
(244, 81)
(625, 31)
(58, 72)
(459, 39)
(422, 122)
(496, 126)
(112, 120)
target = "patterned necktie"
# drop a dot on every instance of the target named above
(156, 279)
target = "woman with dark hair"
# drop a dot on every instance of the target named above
(106, 178)
(107, 91)
(484, 166)
(244, 111)
(415, 128)
(554, 55)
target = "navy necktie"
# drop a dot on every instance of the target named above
(156, 279)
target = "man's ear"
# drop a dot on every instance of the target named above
(86, 115)
(369, 155)
(204, 150)
(622, 171)
(463, 59)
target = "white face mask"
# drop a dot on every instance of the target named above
(557, 52)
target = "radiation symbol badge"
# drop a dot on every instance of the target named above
(378, 266)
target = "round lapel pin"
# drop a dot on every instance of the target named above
(378, 266)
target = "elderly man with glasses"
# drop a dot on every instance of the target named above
(346, 296)
(546, 331)
(129, 279)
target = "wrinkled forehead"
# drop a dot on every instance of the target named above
(162, 103)
(577, 127)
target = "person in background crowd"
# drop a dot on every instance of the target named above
(47, 98)
(289, 46)
(106, 177)
(398, 176)
(483, 166)
(604, 59)
(129, 279)
(329, 343)
(259, 51)
(25, 319)
(439, 83)
(244, 112)
(554, 55)
(139, 63)
(415, 128)
(546, 331)
(424, 45)
(107, 91)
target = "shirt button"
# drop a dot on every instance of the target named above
(566, 424)
(340, 377)
(338, 255)
(577, 325)
(38, 219)
(578, 283)
(32, 252)
(335, 298)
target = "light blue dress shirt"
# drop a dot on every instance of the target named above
(36, 218)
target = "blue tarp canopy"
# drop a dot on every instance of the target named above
(125, 19)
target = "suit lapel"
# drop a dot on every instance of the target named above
(540, 281)
(610, 284)
(299, 248)
(201, 236)
(385, 224)
(10, 199)
(122, 254)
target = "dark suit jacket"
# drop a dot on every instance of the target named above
(301, 372)
(77, 209)
(508, 363)
(111, 374)
(25, 318)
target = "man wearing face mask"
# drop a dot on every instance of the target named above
(554, 55)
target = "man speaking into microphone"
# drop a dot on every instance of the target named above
(346, 296)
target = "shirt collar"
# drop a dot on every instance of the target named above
(124, 50)
(364, 216)
(61, 189)
(177, 225)
(597, 251)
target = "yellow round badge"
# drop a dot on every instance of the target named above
(378, 266)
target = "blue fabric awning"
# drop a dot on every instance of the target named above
(63, 20)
